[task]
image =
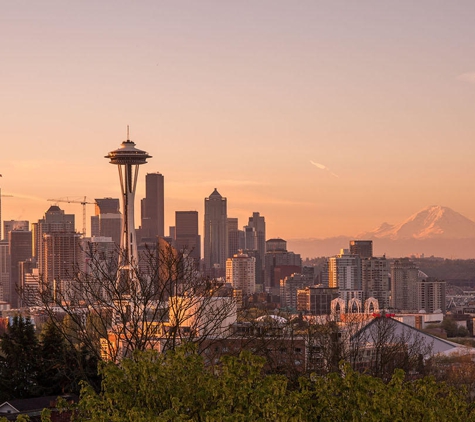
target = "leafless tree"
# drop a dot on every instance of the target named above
(383, 345)
(155, 303)
(326, 344)
(318, 344)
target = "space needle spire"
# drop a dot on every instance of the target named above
(128, 159)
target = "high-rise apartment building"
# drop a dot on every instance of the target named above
(363, 248)
(404, 277)
(375, 277)
(344, 273)
(431, 296)
(240, 273)
(215, 233)
(153, 207)
(259, 273)
(186, 237)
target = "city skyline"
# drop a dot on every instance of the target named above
(326, 118)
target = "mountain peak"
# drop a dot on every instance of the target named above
(434, 221)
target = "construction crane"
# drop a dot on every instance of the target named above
(83, 203)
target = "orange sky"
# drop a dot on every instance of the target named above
(242, 96)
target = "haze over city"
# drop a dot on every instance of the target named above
(328, 118)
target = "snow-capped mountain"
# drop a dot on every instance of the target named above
(435, 230)
(430, 223)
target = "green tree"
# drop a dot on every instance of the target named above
(352, 396)
(56, 370)
(19, 363)
(177, 386)
(61, 368)
(19, 418)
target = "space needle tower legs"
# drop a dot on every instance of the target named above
(128, 159)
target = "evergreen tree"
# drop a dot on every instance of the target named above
(59, 367)
(64, 365)
(19, 363)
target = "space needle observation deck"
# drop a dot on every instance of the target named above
(128, 159)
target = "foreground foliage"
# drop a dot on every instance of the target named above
(177, 386)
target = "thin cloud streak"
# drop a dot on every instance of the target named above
(21, 196)
(322, 167)
(467, 77)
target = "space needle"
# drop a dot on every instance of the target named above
(128, 159)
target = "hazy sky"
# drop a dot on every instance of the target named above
(243, 96)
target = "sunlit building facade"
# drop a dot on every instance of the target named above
(241, 273)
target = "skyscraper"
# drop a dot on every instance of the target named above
(259, 224)
(107, 206)
(54, 221)
(153, 207)
(62, 255)
(187, 238)
(20, 248)
(254, 235)
(233, 237)
(108, 219)
(250, 238)
(215, 233)
(8, 226)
